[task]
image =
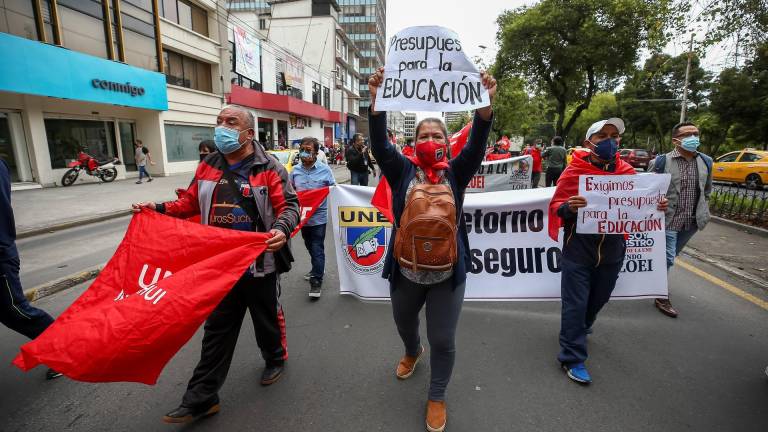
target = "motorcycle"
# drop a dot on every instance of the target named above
(104, 170)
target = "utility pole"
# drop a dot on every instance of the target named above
(684, 106)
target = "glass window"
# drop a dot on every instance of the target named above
(182, 141)
(185, 15)
(139, 50)
(199, 20)
(316, 93)
(127, 138)
(190, 72)
(730, 157)
(18, 18)
(67, 137)
(187, 72)
(750, 157)
(82, 32)
(169, 11)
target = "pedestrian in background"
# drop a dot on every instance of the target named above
(239, 187)
(590, 263)
(431, 174)
(535, 152)
(15, 311)
(205, 148)
(688, 195)
(143, 156)
(312, 174)
(359, 161)
(555, 156)
(321, 157)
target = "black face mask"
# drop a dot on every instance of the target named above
(203, 155)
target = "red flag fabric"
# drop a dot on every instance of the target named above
(497, 156)
(382, 199)
(309, 201)
(504, 142)
(458, 140)
(166, 277)
(568, 184)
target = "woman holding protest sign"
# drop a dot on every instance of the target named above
(428, 254)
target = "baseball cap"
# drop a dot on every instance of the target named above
(596, 126)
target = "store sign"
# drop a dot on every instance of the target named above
(46, 70)
(297, 122)
(247, 55)
(118, 87)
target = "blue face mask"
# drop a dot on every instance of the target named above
(227, 140)
(606, 149)
(305, 155)
(690, 143)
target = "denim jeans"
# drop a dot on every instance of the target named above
(15, 311)
(143, 172)
(314, 240)
(358, 178)
(584, 289)
(676, 241)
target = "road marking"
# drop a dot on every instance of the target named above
(723, 284)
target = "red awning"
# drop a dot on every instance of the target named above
(281, 103)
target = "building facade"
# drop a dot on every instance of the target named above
(451, 117)
(310, 72)
(99, 75)
(409, 125)
(365, 21)
(396, 124)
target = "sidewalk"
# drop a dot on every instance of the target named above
(733, 249)
(50, 209)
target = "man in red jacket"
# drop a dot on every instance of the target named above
(239, 187)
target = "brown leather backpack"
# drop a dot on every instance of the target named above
(426, 237)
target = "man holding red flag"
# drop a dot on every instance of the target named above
(590, 262)
(242, 188)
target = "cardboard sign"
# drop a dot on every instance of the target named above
(427, 70)
(622, 204)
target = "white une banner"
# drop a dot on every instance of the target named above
(427, 70)
(500, 175)
(247, 55)
(513, 258)
(621, 204)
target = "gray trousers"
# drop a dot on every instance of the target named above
(443, 309)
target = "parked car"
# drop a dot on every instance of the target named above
(289, 158)
(569, 153)
(748, 167)
(638, 158)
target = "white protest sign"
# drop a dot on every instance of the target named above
(500, 175)
(427, 70)
(247, 55)
(512, 256)
(621, 204)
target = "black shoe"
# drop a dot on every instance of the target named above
(183, 414)
(271, 374)
(315, 286)
(150, 179)
(52, 374)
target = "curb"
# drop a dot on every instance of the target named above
(71, 224)
(695, 253)
(61, 284)
(748, 228)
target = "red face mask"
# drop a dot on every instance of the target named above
(431, 152)
(431, 157)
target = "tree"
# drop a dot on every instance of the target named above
(571, 49)
(648, 100)
(456, 125)
(603, 106)
(745, 22)
(740, 100)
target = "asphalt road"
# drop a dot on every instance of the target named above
(701, 372)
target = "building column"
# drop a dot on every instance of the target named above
(37, 142)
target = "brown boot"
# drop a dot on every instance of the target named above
(408, 364)
(665, 307)
(436, 416)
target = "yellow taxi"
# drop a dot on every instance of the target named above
(569, 153)
(748, 166)
(289, 158)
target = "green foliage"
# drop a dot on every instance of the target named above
(569, 50)
(456, 125)
(743, 22)
(603, 106)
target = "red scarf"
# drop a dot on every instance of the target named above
(431, 157)
(568, 184)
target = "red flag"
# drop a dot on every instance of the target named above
(459, 139)
(382, 199)
(496, 156)
(309, 200)
(166, 277)
(568, 185)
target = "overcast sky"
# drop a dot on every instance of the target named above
(475, 22)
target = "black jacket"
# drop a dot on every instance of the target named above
(7, 224)
(357, 161)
